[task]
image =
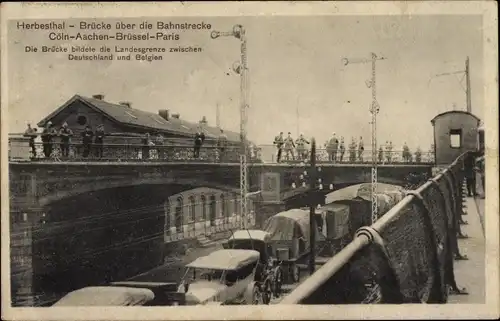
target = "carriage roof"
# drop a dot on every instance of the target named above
(228, 259)
(251, 234)
(106, 296)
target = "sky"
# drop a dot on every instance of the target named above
(294, 66)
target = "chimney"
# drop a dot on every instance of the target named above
(98, 96)
(176, 116)
(126, 104)
(203, 121)
(164, 113)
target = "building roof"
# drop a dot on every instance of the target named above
(454, 112)
(250, 234)
(128, 116)
(225, 260)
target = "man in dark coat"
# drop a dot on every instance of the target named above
(99, 139)
(48, 134)
(470, 175)
(87, 136)
(199, 138)
(31, 134)
(65, 133)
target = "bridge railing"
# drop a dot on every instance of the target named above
(269, 154)
(406, 256)
(20, 149)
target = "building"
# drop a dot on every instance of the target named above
(202, 210)
(125, 124)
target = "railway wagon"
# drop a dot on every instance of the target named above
(455, 132)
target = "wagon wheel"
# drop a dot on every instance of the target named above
(295, 273)
(257, 297)
(267, 293)
(278, 282)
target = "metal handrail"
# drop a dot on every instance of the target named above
(22, 144)
(323, 274)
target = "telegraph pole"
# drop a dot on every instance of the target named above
(467, 77)
(465, 73)
(374, 110)
(241, 68)
(312, 208)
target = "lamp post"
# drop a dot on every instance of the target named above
(312, 208)
(241, 68)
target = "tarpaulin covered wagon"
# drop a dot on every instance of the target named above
(290, 240)
(348, 209)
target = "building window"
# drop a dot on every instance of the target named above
(237, 205)
(81, 120)
(167, 216)
(204, 207)
(455, 138)
(179, 221)
(192, 209)
(222, 205)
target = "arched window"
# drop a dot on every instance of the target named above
(192, 209)
(222, 205)
(167, 216)
(212, 209)
(237, 205)
(204, 207)
(179, 214)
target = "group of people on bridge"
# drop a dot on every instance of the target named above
(89, 139)
(91, 143)
(336, 148)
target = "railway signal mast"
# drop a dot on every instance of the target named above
(465, 73)
(374, 110)
(241, 68)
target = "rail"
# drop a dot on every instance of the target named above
(406, 256)
(20, 149)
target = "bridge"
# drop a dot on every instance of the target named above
(36, 183)
(427, 221)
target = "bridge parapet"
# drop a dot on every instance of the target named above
(404, 257)
(21, 150)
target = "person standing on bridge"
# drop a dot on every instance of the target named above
(380, 155)
(352, 150)
(199, 138)
(388, 151)
(146, 144)
(289, 146)
(87, 136)
(405, 152)
(221, 144)
(31, 133)
(334, 146)
(160, 149)
(65, 134)
(418, 155)
(99, 141)
(279, 141)
(431, 153)
(47, 135)
(301, 147)
(361, 149)
(341, 149)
